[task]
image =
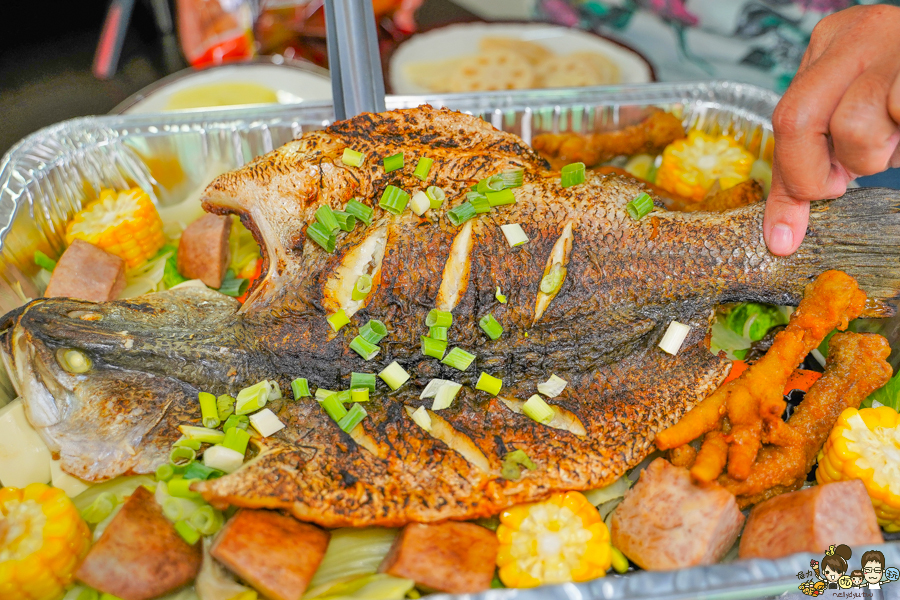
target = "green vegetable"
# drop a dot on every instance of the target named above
(572, 174)
(346, 221)
(360, 211)
(209, 411)
(204, 435)
(752, 321)
(362, 380)
(165, 472)
(889, 395)
(44, 261)
(439, 318)
(434, 348)
(493, 183)
(513, 463)
(233, 286)
(237, 439)
(206, 520)
(188, 443)
(538, 410)
(461, 213)
(100, 508)
(359, 394)
(423, 167)
(181, 456)
(224, 406)
(352, 158)
(338, 320)
(394, 375)
(458, 359)
(501, 198)
(300, 388)
(365, 349)
(513, 178)
(187, 532)
(393, 200)
(490, 326)
(640, 207)
(361, 288)
(480, 204)
(171, 276)
(325, 216)
(252, 398)
(322, 236)
(501, 298)
(393, 162)
(181, 488)
(332, 405)
(435, 195)
(239, 421)
(489, 384)
(438, 333)
(552, 281)
(197, 470)
(373, 331)
(353, 418)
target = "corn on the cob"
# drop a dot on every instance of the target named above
(42, 540)
(122, 223)
(865, 445)
(691, 166)
(559, 540)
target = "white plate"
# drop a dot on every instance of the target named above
(291, 82)
(462, 39)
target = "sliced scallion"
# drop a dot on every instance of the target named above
(274, 390)
(239, 421)
(490, 184)
(352, 158)
(322, 236)
(489, 384)
(251, 399)
(434, 348)
(365, 349)
(393, 200)
(181, 456)
(445, 395)
(513, 463)
(361, 288)
(438, 333)
(373, 331)
(360, 211)
(266, 422)
(481, 205)
(393, 162)
(436, 196)
(439, 318)
(552, 281)
(209, 413)
(423, 167)
(362, 380)
(333, 407)
(553, 387)
(224, 406)
(394, 375)
(325, 216)
(501, 198)
(461, 213)
(422, 418)
(640, 207)
(572, 174)
(322, 393)
(343, 396)
(187, 532)
(206, 520)
(300, 388)
(338, 320)
(353, 418)
(204, 435)
(100, 508)
(490, 326)
(44, 261)
(345, 220)
(458, 359)
(535, 408)
(188, 443)
(199, 470)
(513, 178)
(501, 298)
(237, 439)
(674, 337)
(359, 394)
(165, 472)
(419, 203)
(514, 234)
(433, 387)
(222, 458)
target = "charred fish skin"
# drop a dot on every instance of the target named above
(624, 282)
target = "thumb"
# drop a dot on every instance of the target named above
(784, 225)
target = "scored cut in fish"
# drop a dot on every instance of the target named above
(625, 281)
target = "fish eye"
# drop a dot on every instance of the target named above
(85, 315)
(73, 361)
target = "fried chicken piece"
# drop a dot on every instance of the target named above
(649, 136)
(711, 458)
(857, 365)
(704, 417)
(682, 456)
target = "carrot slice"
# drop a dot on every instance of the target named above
(800, 379)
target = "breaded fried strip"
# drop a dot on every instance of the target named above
(711, 458)
(649, 136)
(704, 417)
(682, 456)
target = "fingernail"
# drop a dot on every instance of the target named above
(781, 239)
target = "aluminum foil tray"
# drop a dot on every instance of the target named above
(49, 175)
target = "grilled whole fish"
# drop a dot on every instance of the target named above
(624, 282)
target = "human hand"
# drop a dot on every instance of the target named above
(838, 120)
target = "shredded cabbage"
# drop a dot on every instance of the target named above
(736, 328)
(149, 276)
(120, 487)
(244, 250)
(353, 552)
(365, 587)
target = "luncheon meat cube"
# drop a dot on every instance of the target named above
(811, 520)
(203, 252)
(274, 553)
(86, 272)
(668, 522)
(140, 555)
(448, 557)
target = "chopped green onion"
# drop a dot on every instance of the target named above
(572, 174)
(438, 333)
(251, 399)
(176, 509)
(342, 396)
(300, 388)
(500, 297)
(100, 508)
(352, 158)
(186, 442)
(239, 421)
(362, 380)
(436, 196)
(489, 384)
(365, 349)
(433, 387)
(481, 205)
(233, 286)
(353, 418)
(360, 211)
(266, 423)
(206, 520)
(514, 234)
(619, 560)
(44, 261)
(181, 488)
(493, 183)
(322, 236)
(512, 463)
(640, 207)
(338, 320)
(209, 412)
(181, 456)
(187, 532)
(373, 331)
(198, 470)
(434, 348)
(461, 213)
(458, 359)
(422, 418)
(87, 593)
(333, 407)
(224, 406)
(445, 394)
(553, 387)
(501, 198)
(165, 472)
(237, 439)
(473, 195)
(222, 458)
(346, 221)
(393, 162)
(553, 280)
(513, 178)
(490, 326)
(420, 203)
(538, 410)
(393, 200)
(361, 288)
(204, 435)
(439, 318)
(394, 375)
(322, 393)
(274, 390)
(423, 167)
(674, 337)
(359, 394)
(325, 216)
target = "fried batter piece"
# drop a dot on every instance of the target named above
(682, 456)
(649, 136)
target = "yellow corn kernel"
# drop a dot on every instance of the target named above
(122, 223)
(41, 543)
(690, 167)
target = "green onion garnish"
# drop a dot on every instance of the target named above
(393, 162)
(251, 399)
(322, 236)
(538, 410)
(322, 393)
(422, 418)
(423, 167)
(436, 196)
(345, 220)
(674, 337)
(393, 200)
(338, 320)
(325, 216)
(552, 281)
(362, 380)
(461, 213)
(513, 178)
(514, 234)
(359, 394)
(352, 158)
(512, 463)
(181, 488)
(44, 261)
(480, 204)
(458, 359)
(300, 388)
(188, 443)
(209, 412)
(489, 384)
(490, 326)
(439, 318)
(493, 183)
(353, 418)
(342, 396)
(224, 407)
(360, 211)
(361, 288)
(165, 472)
(419, 203)
(501, 198)
(266, 423)
(500, 297)
(197, 470)
(434, 348)
(445, 394)
(438, 333)
(181, 456)
(553, 387)
(239, 421)
(365, 349)
(206, 520)
(187, 532)
(394, 375)
(373, 331)
(640, 207)
(204, 435)
(572, 174)
(237, 439)
(100, 508)
(333, 407)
